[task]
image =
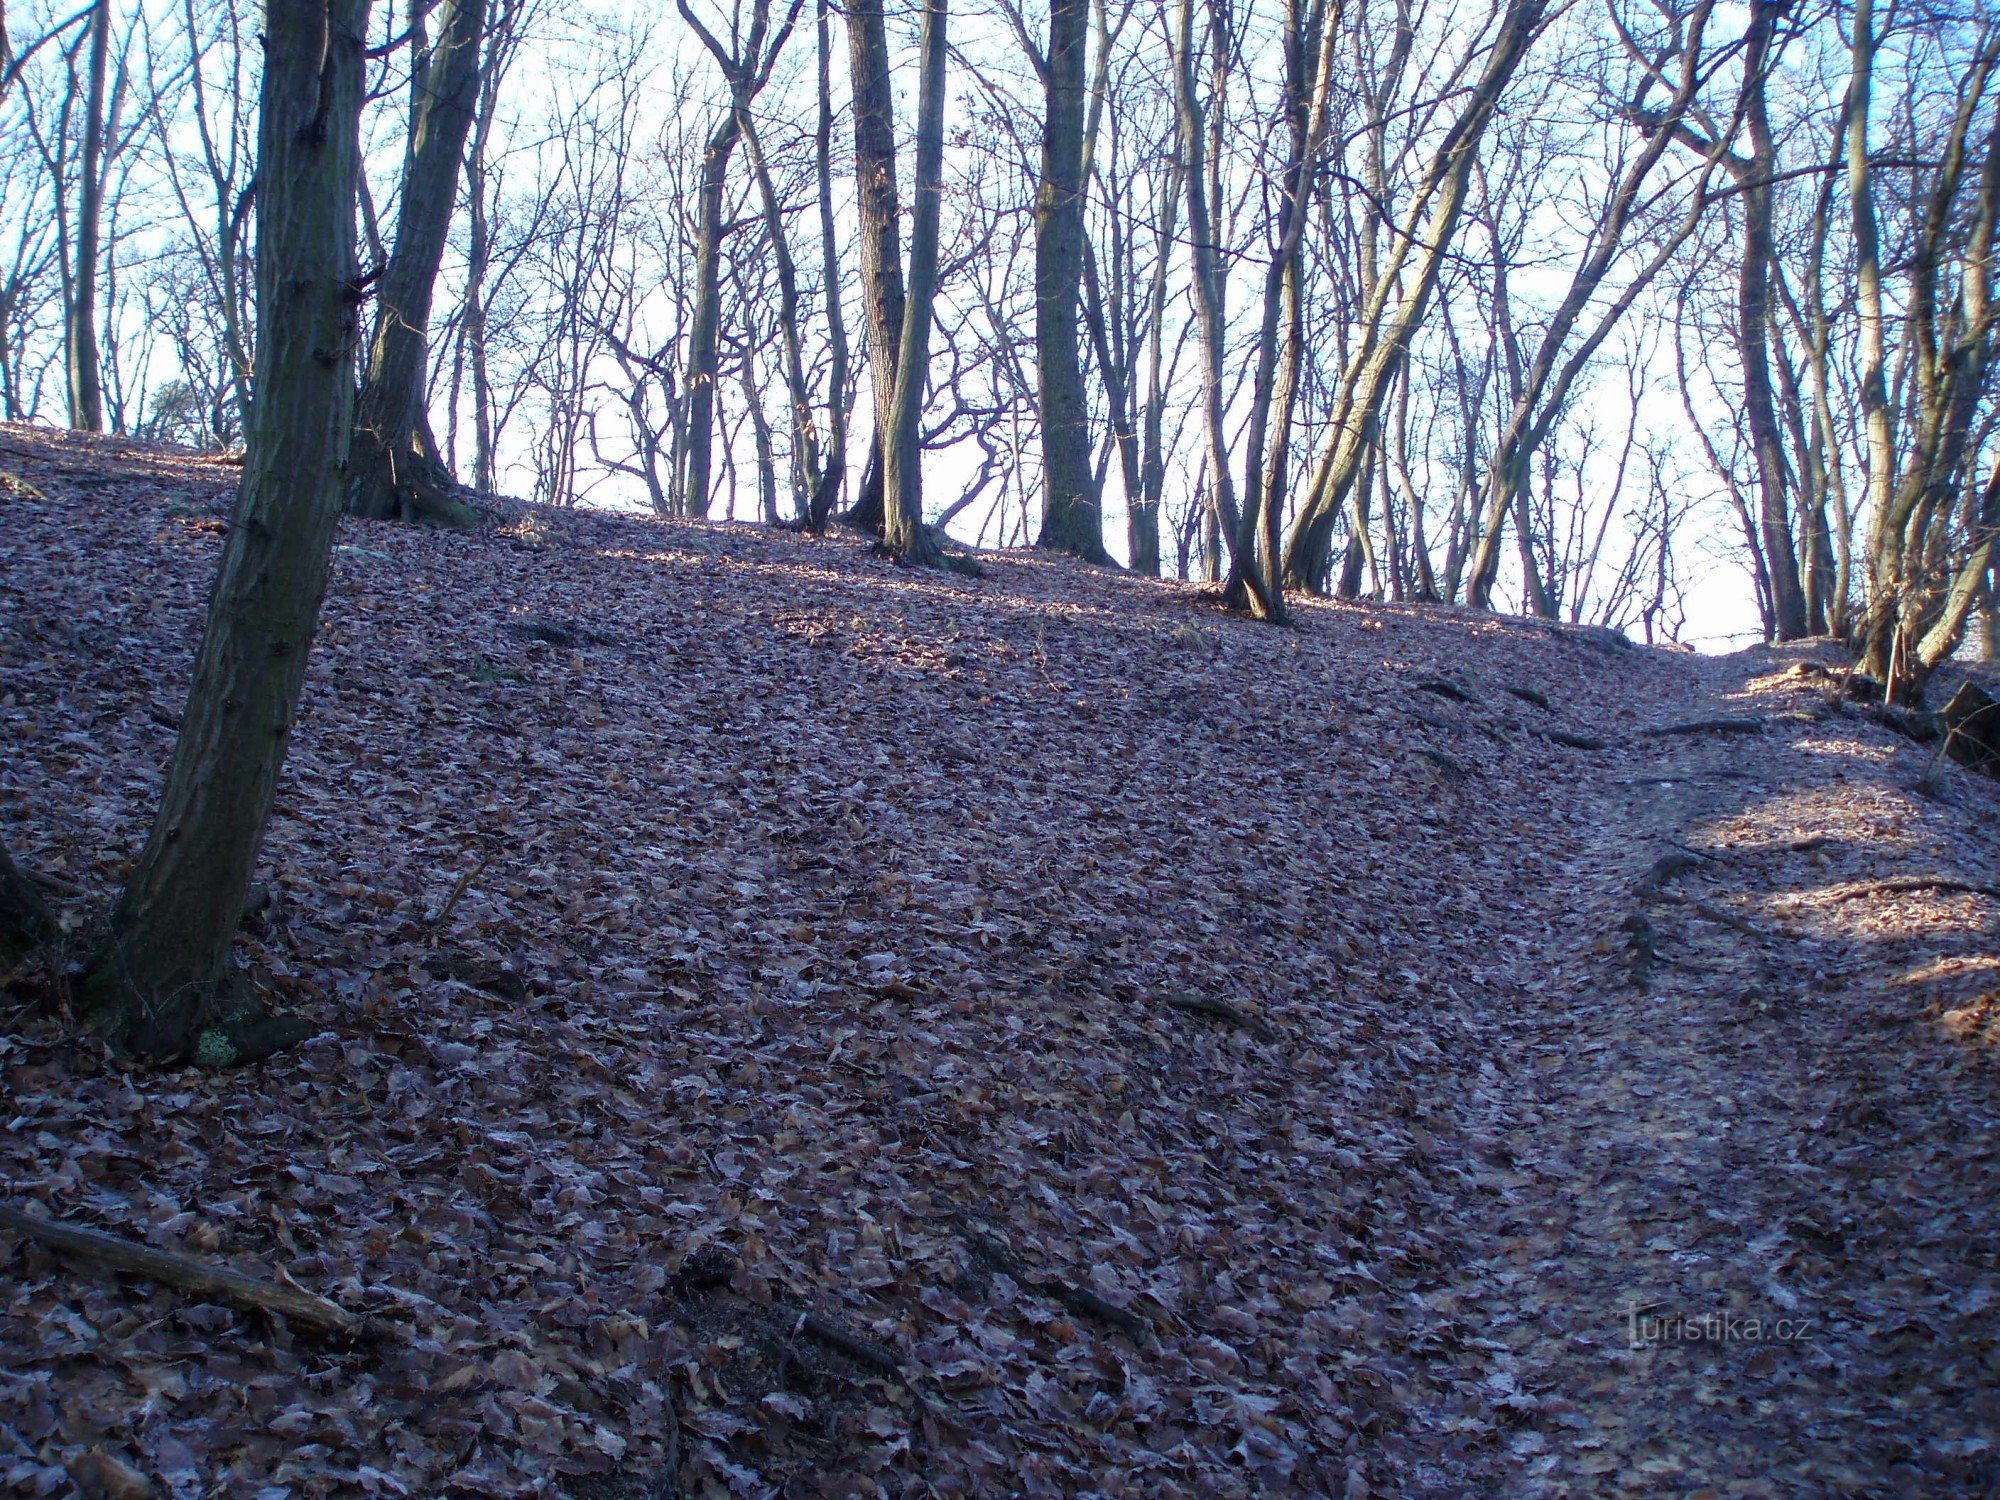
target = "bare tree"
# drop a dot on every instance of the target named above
(395, 471)
(163, 985)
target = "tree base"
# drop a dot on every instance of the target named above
(216, 1025)
(409, 487)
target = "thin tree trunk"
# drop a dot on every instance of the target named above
(394, 476)
(86, 380)
(834, 473)
(902, 479)
(1753, 316)
(163, 977)
(882, 294)
(706, 319)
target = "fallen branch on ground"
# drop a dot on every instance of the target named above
(188, 1273)
(838, 1336)
(1572, 741)
(1909, 884)
(1445, 689)
(1708, 726)
(1220, 1010)
(1644, 944)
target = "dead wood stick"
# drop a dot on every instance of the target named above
(1908, 884)
(186, 1272)
(837, 1335)
(459, 890)
(1708, 726)
(1572, 741)
(1445, 689)
(1079, 1300)
(1220, 1010)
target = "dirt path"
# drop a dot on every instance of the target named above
(1740, 1223)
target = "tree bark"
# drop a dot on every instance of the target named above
(834, 473)
(882, 293)
(1072, 520)
(1439, 199)
(163, 976)
(393, 476)
(1753, 319)
(903, 531)
(86, 380)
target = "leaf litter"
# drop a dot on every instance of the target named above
(795, 1026)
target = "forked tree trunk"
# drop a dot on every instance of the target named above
(1426, 233)
(394, 475)
(746, 67)
(163, 977)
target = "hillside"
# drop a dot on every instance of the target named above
(1208, 1059)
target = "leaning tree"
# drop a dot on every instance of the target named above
(163, 985)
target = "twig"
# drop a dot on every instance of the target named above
(188, 1273)
(458, 890)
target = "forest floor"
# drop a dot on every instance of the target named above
(795, 1026)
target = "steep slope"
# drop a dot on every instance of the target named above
(1133, 1021)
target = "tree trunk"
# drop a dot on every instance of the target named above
(902, 469)
(706, 317)
(86, 381)
(1440, 198)
(834, 473)
(1071, 518)
(162, 979)
(1753, 318)
(393, 476)
(882, 294)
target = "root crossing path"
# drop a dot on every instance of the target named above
(1736, 1212)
